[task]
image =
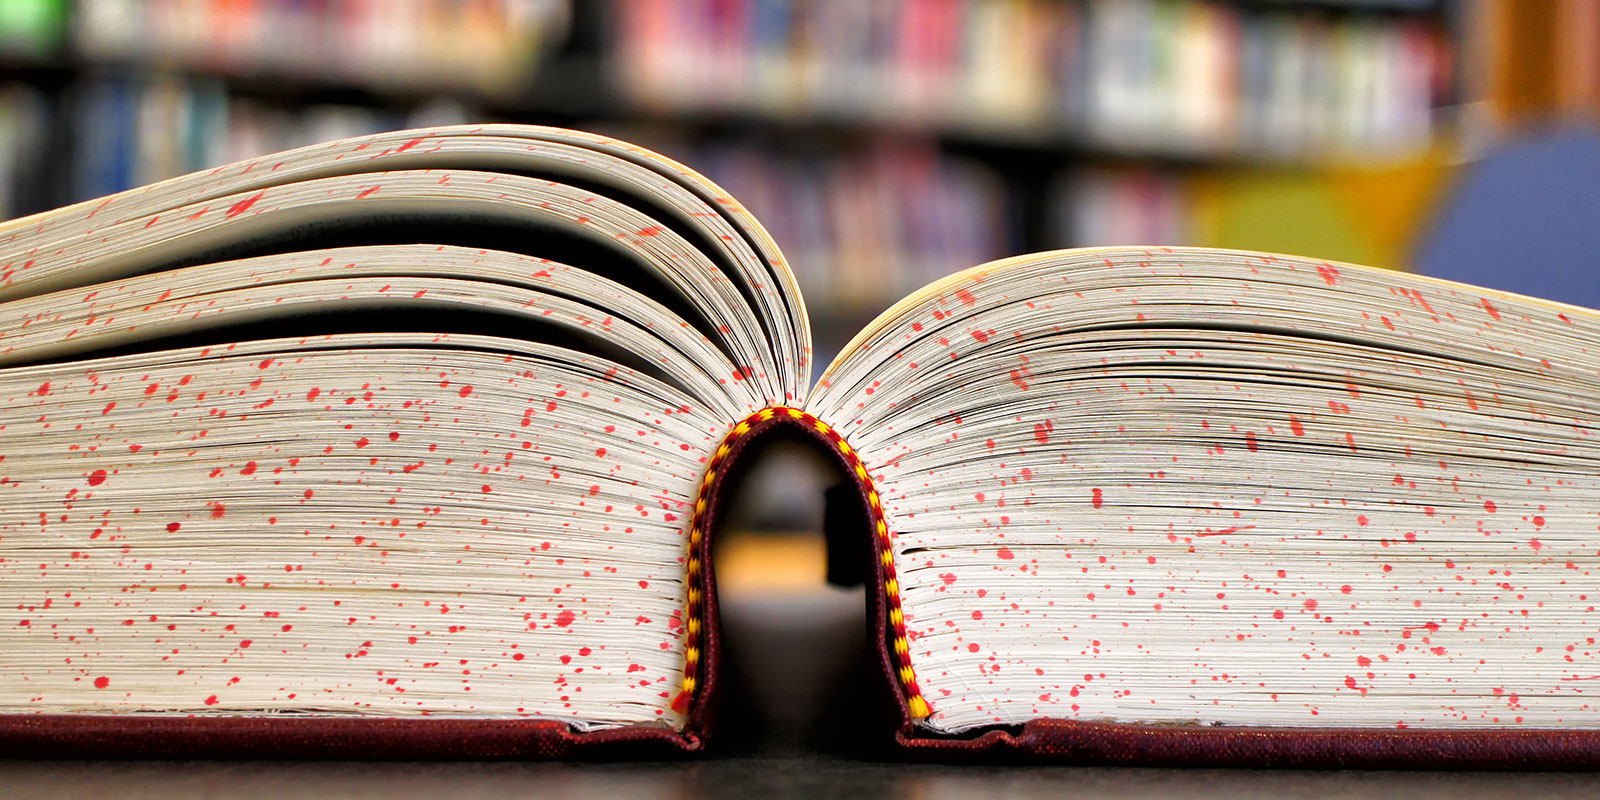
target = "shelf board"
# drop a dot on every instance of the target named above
(572, 89)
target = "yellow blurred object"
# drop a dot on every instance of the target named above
(1365, 215)
(1284, 212)
(1391, 205)
(765, 563)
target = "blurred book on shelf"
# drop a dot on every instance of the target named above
(23, 137)
(1103, 207)
(485, 45)
(864, 226)
(134, 131)
(1203, 78)
(32, 28)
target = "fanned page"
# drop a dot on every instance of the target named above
(405, 426)
(1210, 489)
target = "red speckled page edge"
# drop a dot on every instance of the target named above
(305, 737)
(309, 737)
(1065, 741)
(436, 738)
(1038, 741)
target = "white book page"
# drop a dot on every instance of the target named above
(1185, 486)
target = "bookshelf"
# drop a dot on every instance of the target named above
(886, 143)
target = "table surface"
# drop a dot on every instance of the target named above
(801, 775)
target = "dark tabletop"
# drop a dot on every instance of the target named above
(760, 776)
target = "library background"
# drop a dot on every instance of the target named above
(885, 143)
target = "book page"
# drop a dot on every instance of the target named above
(297, 437)
(1186, 486)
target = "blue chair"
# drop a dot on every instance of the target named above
(1525, 219)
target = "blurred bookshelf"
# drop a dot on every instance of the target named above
(1187, 79)
(884, 142)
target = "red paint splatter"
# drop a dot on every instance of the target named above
(1489, 506)
(1250, 442)
(466, 390)
(565, 618)
(966, 297)
(172, 527)
(1225, 531)
(212, 700)
(1489, 307)
(245, 204)
(1296, 427)
(1042, 431)
(1097, 499)
(1329, 274)
(97, 477)
(102, 682)
(1005, 554)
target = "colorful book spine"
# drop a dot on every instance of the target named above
(1183, 76)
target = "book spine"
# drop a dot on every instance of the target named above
(696, 692)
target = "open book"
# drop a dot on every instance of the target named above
(413, 444)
